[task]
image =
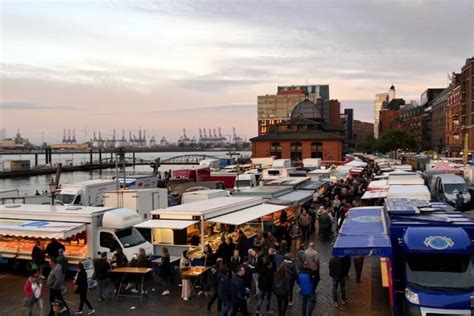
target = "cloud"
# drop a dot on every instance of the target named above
(31, 106)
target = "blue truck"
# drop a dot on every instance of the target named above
(426, 253)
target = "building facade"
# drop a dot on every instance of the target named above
(380, 98)
(389, 115)
(306, 134)
(362, 130)
(453, 137)
(274, 109)
(438, 121)
(467, 100)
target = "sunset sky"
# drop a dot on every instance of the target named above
(168, 65)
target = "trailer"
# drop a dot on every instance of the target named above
(85, 231)
(139, 181)
(86, 193)
(142, 201)
(426, 254)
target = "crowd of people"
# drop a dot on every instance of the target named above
(278, 264)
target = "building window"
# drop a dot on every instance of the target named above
(296, 153)
(317, 150)
(275, 150)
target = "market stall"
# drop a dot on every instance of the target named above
(18, 237)
(191, 226)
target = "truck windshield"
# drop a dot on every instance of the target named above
(441, 271)
(66, 198)
(243, 183)
(451, 188)
(130, 237)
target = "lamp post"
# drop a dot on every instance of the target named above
(52, 188)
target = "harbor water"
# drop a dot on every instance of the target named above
(29, 185)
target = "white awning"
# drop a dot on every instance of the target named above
(298, 196)
(368, 195)
(166, 223)
(247, 215)
(40, 229)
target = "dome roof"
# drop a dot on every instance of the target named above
(306, 109)
(392, 87)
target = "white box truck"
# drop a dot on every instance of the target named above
(140, 181)
(86, 193)
(143, 201)
(84, 231)
(201, 195)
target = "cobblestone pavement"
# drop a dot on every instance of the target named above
(367, 298)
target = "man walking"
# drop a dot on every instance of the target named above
(336, 272)
(311, 256)
(307, 283)
(56, 284)
(102, 269)
(239, 293)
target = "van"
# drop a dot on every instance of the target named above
(444, 187)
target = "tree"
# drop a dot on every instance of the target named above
(395, 139)
(369, 145)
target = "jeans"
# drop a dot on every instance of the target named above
(292, 286)
(307, 309)
(282, 304)
(225, 309)
(40, 305)
(261, 299)
(358, 265)
(342, 284)
(255, 281)
(83, 299)
(305, 230)
(240, 306)
(103, 290)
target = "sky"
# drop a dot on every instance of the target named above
(162, 66)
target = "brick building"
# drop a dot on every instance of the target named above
(438, 121)
(362, 130)
(467, 99)
(389, 114)
(306, 134)
(453, 137)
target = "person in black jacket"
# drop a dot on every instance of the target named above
(242, 244)
(337, 273)
(102, 271)
(223, 290)
(81, 289)
(165, 269)
(265, 284)
(239, 293)
(38, 256)
(222, 251)
(235, 261)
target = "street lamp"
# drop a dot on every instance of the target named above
(52, 188)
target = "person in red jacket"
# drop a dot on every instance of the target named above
(33, 289)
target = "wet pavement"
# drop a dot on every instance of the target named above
(366, 298)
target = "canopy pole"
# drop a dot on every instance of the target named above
(202, 234)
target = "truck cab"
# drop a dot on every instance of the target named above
(117, 231)
(439, 271)
(246, 180)
(444, 187)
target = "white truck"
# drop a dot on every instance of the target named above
(313, 163)
(201, 195)
(281, 163)
(86, 193)
(142, 201)
(140, 181)
(84, 231)
(246, 180)
(444, 187)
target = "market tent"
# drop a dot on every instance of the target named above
(356, 163)
(247, 215)
(441, 168)
(298, 196)
(40, 229)
(368, 195)
(363, 233)
(166, 223)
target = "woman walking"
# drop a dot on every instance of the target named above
(33, 289)
(81, 289)
(184, 265)
(165, 270)
(281, 287)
